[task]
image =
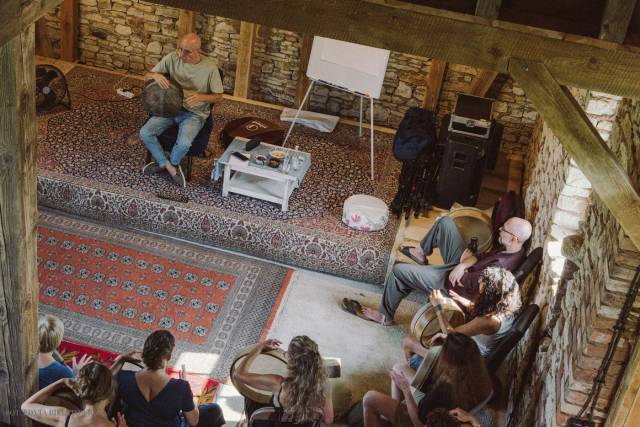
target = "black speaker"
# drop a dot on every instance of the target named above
(461, 168)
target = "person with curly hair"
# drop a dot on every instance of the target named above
(304, 394)
(459, 382)
(95, 387)
(151, 398)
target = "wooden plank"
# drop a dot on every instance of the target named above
(69, 30)
(186, 23)
(483, 82)
(488, 8)
(625, 409)
(432, 33)
(615, 20)
(17, 15)
(575, 132)
(43, 42)
(18, 221)
(245, 59)
(434, 84)
(302, 83)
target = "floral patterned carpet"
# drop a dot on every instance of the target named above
(113, 287)
(96, 146)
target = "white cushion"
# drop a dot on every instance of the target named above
(365, 213)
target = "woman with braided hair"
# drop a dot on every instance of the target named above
(303, 395)
(94, 385)
(151, 398)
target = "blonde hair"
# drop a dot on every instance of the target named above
(50, 332)
(303, 390)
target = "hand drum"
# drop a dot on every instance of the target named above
(162, 102)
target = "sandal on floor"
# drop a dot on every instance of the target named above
(352, 306)
(406, 251)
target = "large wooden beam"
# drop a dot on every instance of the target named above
(570, 124)
(434, 85)
(43, 42)
(625, 410)
(488, 8)
(17, 15)
(303, 81)
(245, 59)
(615, 20)
(18, 221)
(433, 33)
(186, 23)
(482, 84)
(69, 30)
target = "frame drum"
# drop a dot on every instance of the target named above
(162, 102)
(422, 377)
(425, 325)
(472, 222)
(271, 362)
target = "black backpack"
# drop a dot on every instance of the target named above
(416, 132)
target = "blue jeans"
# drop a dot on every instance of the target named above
(210, 416)
(189, 124)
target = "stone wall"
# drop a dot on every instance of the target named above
(132, 35)
(581, 300)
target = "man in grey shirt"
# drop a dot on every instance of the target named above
(200, 79)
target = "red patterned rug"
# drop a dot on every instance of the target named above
(113, 287)
(204, 388)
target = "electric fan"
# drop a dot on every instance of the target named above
(51, 88)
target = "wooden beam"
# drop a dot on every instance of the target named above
(615, 20)
(434, 84)
(17, 15)
(303, 81)
(570, 124)
(488, 8)
(625, 409)
(69, 30)
(245, 59)
(186, 23)
(432, 33)
(483, 82)
(18, 222)
(43, 42)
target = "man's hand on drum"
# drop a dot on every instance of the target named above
(456, 274)
(162, 81)
(462, 301)
(268, 345)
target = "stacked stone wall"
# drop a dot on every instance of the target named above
(132, 35)
(581, 307)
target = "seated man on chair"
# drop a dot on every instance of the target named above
(460, 271)
(200, 79)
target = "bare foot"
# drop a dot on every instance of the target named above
(171, 169)
(376, 316)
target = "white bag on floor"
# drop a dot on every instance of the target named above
(318, 121)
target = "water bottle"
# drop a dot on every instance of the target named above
(473, 245)
(285, 164)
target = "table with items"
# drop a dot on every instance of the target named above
(271, 172)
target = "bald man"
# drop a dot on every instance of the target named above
(460, 272)
(200, 79)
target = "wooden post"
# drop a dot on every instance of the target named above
(303, 81)
(43, 42)
(186, 23)
(69, 27)
(18, 221)
(488, 8)
(625, 409)
(483, 83)
(434, 84)
(615, 20)
(570, 124)
(245, 59)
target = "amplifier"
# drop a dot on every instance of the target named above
(471, 116)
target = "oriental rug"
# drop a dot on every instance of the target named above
(90, 160)
(112, 287)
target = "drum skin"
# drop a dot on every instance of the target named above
(162, 102)
(271, 362)
(424, 324)
(422, 376)
(472, 222)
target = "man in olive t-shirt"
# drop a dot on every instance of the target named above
(200, 79)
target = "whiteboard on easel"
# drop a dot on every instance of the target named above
(352, 66)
